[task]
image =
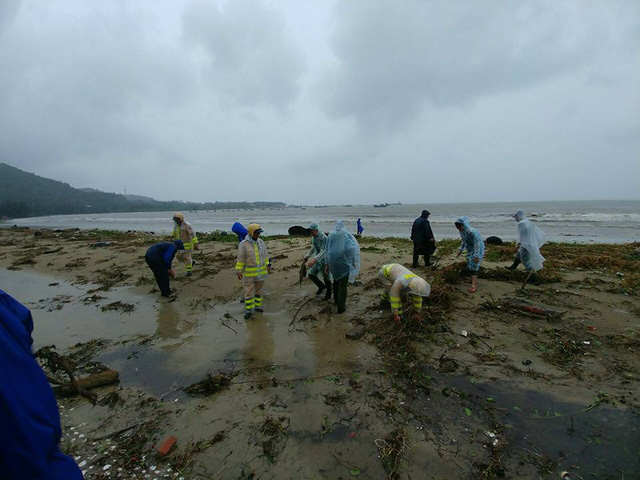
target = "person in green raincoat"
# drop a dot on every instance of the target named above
(315, 261)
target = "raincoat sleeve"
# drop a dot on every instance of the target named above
(169, 254)
(355, 269)
(242, 257)
(413, 231)
(29, 419)
(319, 248)
(478, 245)
(463, 244)
(192, 235)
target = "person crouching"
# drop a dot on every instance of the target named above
(159, 258)
(402, 280)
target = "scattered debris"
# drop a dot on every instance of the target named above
(209, 385)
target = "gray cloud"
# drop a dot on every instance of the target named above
(251, 61)
(345, 102)
(396, 59)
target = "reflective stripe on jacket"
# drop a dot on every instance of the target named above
(253, 259)
(185, 233)
(399, 278)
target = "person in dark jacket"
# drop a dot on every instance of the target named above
(424, 243)
(159, 258)
(29, 419)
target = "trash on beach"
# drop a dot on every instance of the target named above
(102, 379)
(167, 445)
(464, 333)
(209, 385)
(100, 244)
(515, 305)
(357, 333)
(299, 231)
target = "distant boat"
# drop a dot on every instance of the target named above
(381, 205)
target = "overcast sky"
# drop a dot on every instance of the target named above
(325, 102)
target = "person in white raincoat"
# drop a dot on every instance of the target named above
(530, 239)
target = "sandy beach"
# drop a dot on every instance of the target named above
(483, 388)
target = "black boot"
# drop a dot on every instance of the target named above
(327, 295)
(318, 283)
(516, 262)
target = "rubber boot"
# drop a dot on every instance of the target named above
(318, 283)
(516, 262)
(329, 292)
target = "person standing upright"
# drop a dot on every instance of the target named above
(424, 242)
(359, 227)
(183, 231)
(343, 262)
(252, 267)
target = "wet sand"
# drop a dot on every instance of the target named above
(474, 392)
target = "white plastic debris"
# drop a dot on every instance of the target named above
(82, 463)
(464, 333)
(106, 467)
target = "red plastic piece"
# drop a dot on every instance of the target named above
(167, 445)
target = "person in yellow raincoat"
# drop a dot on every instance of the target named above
(402, 280)
(183, 231)
(253, 267)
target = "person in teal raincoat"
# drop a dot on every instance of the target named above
(473, 244)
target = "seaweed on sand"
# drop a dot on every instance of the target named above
(274, 436)
(391, 449)
(209, 385)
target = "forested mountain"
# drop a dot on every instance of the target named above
(24, 194)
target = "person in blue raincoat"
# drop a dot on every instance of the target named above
(359, 227)
(240, 230)
(29, 419)
(342, 254)
(473, 243)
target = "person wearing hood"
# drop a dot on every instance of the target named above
(530, 239)
(253, 266)
(183, 231)
(342, 256)
(315, 261)
(30, 432)
(402, 280)
(240, 230)
(359, 227)
(159, 258)
(424, 242)
(473, 243)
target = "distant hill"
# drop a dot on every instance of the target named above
(24, 194)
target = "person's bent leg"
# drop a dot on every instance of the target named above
(258, 300)
(162, 278)
(327, 284)
(318, 283)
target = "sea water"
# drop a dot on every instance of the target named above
(575, 221)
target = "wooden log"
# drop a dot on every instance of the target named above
(102, 379)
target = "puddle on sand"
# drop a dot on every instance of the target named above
(187, 345)
(603, 440)
(62, 318)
